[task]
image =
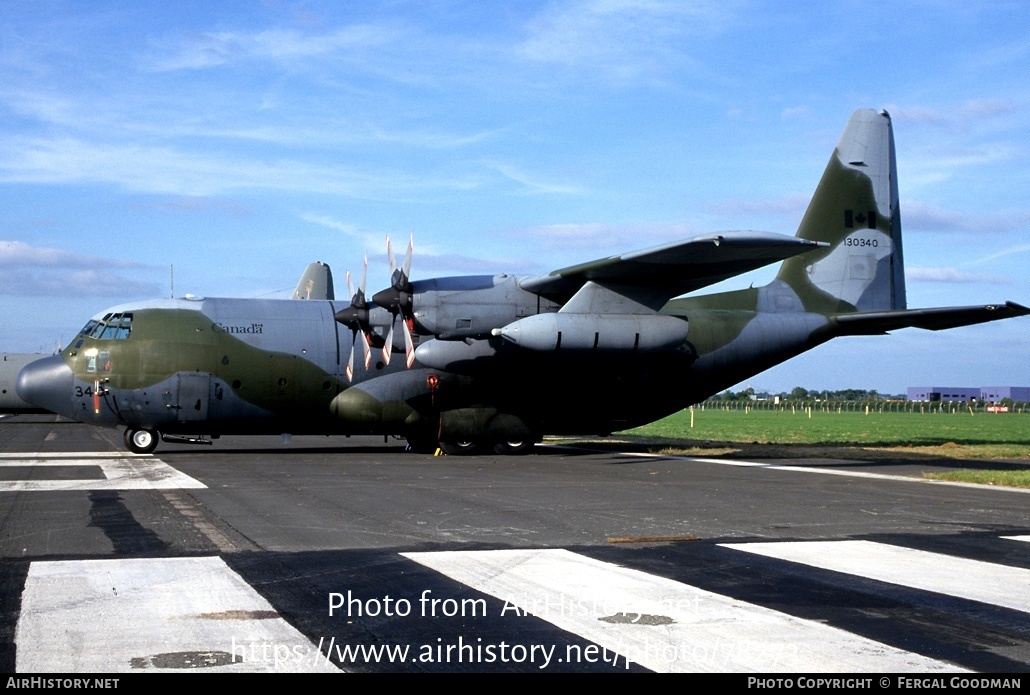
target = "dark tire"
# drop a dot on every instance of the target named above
(422, 444)
(519, 447)
(466, 448)
(141, 441)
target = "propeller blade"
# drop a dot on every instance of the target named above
(366, 350)
(349, 372)
(407, 260)
(409, 348)
(388, 347)
(389, 255)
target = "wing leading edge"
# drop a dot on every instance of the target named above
(655, 275)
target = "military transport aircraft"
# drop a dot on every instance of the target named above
(470, 363)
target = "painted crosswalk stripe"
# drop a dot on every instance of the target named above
(121, 472)
(945, 574)
(170, 614)
(662, 624)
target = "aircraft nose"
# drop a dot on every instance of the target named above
(46, 383)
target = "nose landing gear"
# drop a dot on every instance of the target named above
(141, 441)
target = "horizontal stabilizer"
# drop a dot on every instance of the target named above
(877, 322)
(658, 274)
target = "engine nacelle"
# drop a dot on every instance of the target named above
(461, 355)
(467, 307)
(595, 332)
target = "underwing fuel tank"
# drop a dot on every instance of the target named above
(628, 332)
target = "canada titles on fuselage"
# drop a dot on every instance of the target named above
(253, 328)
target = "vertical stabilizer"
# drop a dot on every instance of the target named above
(315, 283)
(855, 209)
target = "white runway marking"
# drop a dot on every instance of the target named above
(662, 624)
(821, 471)
(175, 614)
(944, 574)
(1025, 539)
(121, 472)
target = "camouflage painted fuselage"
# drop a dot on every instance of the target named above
(503, 360)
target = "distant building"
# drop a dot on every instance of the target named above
(997, 393)
(948, 394)
(962, 394)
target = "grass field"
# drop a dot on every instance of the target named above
(766, 433)
(874, 429)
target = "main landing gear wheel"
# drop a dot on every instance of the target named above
(141, 441)
(518, 447)
(465, 448)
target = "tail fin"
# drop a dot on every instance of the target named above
(315, 283)
(855, 209)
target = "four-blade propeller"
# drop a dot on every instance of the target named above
(397, 299)
(356, 318)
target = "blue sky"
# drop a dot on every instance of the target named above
(238, 142)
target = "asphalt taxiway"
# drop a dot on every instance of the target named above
(350, 554)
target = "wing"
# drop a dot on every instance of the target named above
(653, 276)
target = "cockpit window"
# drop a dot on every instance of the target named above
(88, 328)
(113, 327)
(125, 327)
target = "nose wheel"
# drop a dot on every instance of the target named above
(141, 441)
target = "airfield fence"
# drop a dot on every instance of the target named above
(881, 406)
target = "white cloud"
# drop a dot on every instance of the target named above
(952, 275)
(532, 184)
(18, 254)
(625, 41)
(211, 49)
(962, 115)
(608, 239)
(793, 204)
(167, 170)
(917, 215)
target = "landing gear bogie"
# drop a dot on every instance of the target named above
(513, 447)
